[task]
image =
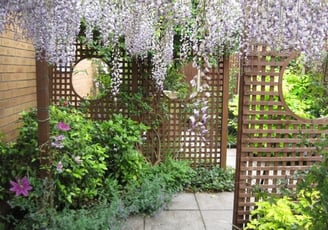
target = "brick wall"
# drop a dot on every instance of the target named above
(17, 82)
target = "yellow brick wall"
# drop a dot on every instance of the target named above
(17, 82)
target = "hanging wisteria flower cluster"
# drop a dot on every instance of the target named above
(208, 28)
(51, 25)
(301, 25)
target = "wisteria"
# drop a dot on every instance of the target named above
(207, 30)
(216, 29)
(288, 24)
(51, 25)
(211, 27)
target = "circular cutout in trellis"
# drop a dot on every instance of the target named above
(91, 78)
(305, 90)
(178, 82)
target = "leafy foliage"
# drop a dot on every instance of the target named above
(20, 158)
(214, 179)
(276, 214)
(95, 174)
(305, 91)
(148, 197)
(120, 136)
(176, 174)
(175, 81)
(314, 187)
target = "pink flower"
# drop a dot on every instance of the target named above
(63, 126)
(21, 187)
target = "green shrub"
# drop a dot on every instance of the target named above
(156, 186)
(147, 197)
(120, 137)
(213, 179)
(95, 174)
(313, 185)
(78, 164)
(177, 174)
(304, 91)
(101, 215)
(20, 158)
(275, 214)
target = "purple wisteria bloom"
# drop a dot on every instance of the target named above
(63, 126)
(21, 186)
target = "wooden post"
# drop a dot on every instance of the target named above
(235, 220)
(42, 84)
(225, 112)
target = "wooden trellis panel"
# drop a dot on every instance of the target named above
(271, 144)
(179, 139)
(173, 135)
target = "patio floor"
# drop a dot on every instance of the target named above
(191, 211)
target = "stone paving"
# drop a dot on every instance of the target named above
(191, 211)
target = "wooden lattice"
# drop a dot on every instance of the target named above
(172, 134)
(271, 144)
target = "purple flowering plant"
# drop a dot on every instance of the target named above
(21, 186)
(74, 156)
(63, 126)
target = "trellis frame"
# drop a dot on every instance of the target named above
(174, 135)
(271, 137)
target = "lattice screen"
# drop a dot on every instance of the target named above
(271, 144)
(172, 136)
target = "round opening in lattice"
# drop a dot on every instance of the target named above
(91, 78)
(178, 81)
(305, 90)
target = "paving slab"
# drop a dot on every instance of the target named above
(176, 220)
(231, 158)
(215, 201)
(183, 201)
(217, 220)
(134, 223)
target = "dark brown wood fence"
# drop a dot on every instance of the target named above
(171, 134)
(271, 146)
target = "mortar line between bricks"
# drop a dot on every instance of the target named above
(200, 211)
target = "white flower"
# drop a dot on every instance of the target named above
(59, 167)
(78, 160)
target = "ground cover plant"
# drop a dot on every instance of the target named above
(95, 175)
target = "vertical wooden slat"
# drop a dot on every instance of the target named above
(240, 127)
(224, 116)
